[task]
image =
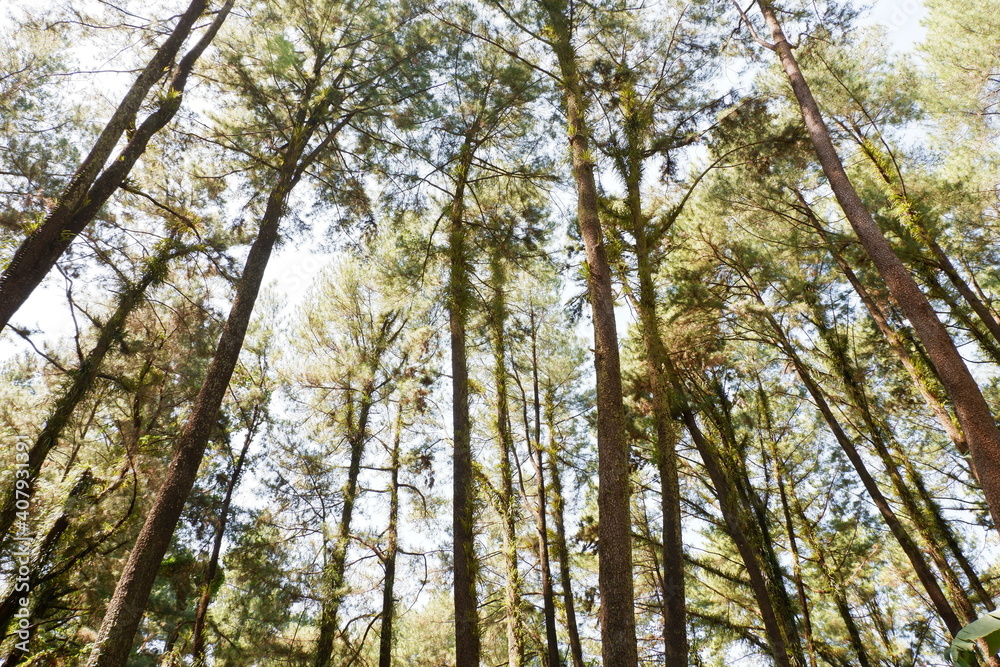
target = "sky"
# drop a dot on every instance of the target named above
(902, 20)
(293, 268)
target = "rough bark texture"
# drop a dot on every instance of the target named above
(541, 523)
(463, 526)
(973, 412)
(737, 527)
(674, 618)
(128, 603)
(90, 188)
(505, 494)
(617, 614)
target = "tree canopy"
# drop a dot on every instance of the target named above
(535, 333)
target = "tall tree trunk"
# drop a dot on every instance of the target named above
(781, 633)
(91, 187)
(391, 549)
(914, 225)
(757, 523)
(559, 526)
(836, 587)
(81, 382)
(201, 612)
(541, 516)
(466, 604)
(128, 603)
(674, 617)
(786, 513)
(618, 645)
(737, 526)
(973, 413)
(505, 499)
(336, 567)
(899, 531)
(917, 372)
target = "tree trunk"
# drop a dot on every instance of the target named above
(505, 499)
(336, 567)
(90, 188)
(466, 604)
(11, 602)
(391, 549)
(737, 527)
(128, 603)
(756, 522)
(617, 615)
(880, 437)
(201, 613)
(943, 530)
(781, 633)
(562, 552)
(793, 545)
(973, 413)
(675, 642)
(81, 381)
(541, 524)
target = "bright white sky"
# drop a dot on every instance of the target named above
(902, 19)
(293, 268)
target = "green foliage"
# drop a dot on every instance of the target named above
(986, 628)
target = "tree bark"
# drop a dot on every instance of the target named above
(617, 615)
(737, 526)
(81, 382)
(391, 549)
(973, 412)
(128, 603)
(562, 551)
(793, 546)
(505, 496)
(675, 642)
(756, 524)
(467, 647)
(201, 612)
(880, 437)
(90, 188)
(333, 576)
(541, 523)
